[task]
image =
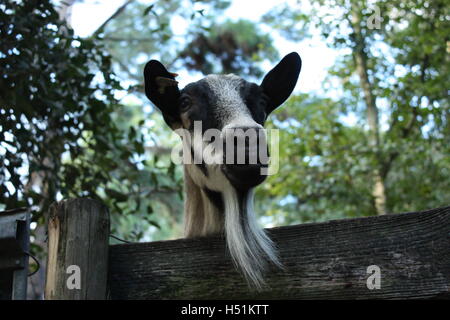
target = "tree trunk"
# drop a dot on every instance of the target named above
(38, 179)
(65, 11)
(359, 52)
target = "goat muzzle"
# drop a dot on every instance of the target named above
(245, 156)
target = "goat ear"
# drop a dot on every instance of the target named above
(162, 89)
(279, 83)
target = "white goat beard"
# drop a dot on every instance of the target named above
(250, 247)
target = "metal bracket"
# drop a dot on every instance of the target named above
(14, 247)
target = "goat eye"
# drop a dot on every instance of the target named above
(185, 103)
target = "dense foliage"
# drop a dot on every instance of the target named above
(61, 131)
(231, 47)
(394, 81)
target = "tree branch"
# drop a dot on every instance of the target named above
(114, 15)
(409, 127)
(158, 150)
(118, 39)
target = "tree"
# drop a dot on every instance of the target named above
(142, 32)
(324, 165)
(58, 133)
(231, 47)
(395, 89)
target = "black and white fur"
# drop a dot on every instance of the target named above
(219, 197)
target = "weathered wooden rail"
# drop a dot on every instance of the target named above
(322, 260)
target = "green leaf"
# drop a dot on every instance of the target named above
(148, 9)
(118, 196)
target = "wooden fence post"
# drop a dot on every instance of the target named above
(77, 262)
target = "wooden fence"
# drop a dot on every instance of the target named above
(397, 256)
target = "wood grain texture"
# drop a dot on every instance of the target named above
(323, 261)
(78, 234)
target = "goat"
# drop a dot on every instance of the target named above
(219, 196)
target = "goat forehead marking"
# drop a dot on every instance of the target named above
(226, 90)
(224, 85)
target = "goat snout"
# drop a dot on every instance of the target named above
(245, 155)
